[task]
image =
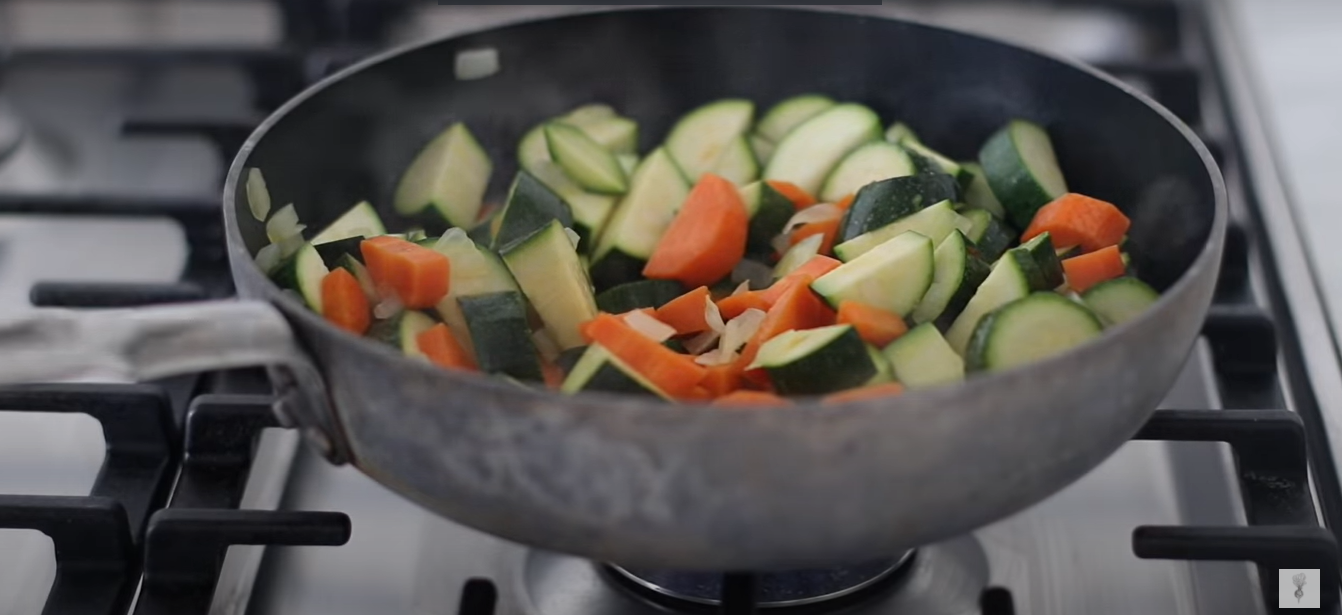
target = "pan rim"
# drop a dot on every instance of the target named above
(243, 262)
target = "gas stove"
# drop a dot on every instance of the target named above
(116, 121)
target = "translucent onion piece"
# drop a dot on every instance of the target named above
(258, 197)
(741, 329)
(365, 280)
(283, 225)
(545, 345)
(573, 237)
(814, 213)
(782, 242)
(291, 245)
(389, 306)
(451, 236)
(476, 63)
(715, 356)
(702, 342)
(743, 287)
(268, 258)
(650, 327)
(712, 316)
(798, 255)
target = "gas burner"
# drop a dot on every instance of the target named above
(11, 130)
(772, 589)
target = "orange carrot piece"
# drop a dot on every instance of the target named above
(438, 344)
(875, 325)
(674, 373)
(751, 399)
(845, 202)
(698, 393)
(1088, 270)
(722, 379)
(706, 239)
(889, 389)
(685, 313)
(552, 374)
(818, 265)
(343, 302)
(828, 229)
(801, 199)
(735, 305)
(418, 275)
(1078, 220)
(797, 308)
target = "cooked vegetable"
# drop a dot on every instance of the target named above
(1029, 329)
(1043, 269)
(674, 373)
(796, 256)
(402, 331)
(656, 193)
(1087, 270)
(1022, 170)
(934, 223)
(991, 236)
(957, 273)
(882, 203)
(738, 163)
(501, 334)
(801, 199)
(640, 294)
(827, 229)
(979, 194)
(686, 313)
(589, 164)
(921, 358)
(735, 305)
(815, 361)
(1119, 300)
(450, 175)
(599, 370)
(547, 269)
(343, 302)
(769, 210)
(869, 163)
(893, 276)
(797, 308)
(750, 399)
(810, 151)
(810, 271)
(790, 113)
(874, 325)
(1078, 220)
(707, 237)
(303, 272)
(531, 206)
(706, 138)
(418, 276)
(360, 221)
(1006, 283)
(443, 349)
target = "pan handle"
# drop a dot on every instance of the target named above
(146, 343)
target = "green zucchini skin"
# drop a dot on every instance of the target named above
(884, 202)
(639, 294)
(501, 334)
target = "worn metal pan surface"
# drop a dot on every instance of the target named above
(643, 483)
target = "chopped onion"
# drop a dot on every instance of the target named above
(650, 327)
(758, 274)
(715, 356)
(573, 237)
(364, 279)
(814, 213)
(702, 342)
(389, 306)
(258, 197)
(283, 225)
(545, 345)
(712, 316)
(452, 236)
(268, 258)
(782, 242)
(476, 63)
(291, 245)
(416, 234)
(741, 329)
(798, 255)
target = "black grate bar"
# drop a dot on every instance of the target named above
(1243, 341)
(221, 435)
(997, 601)
(185, 548)
(95, 566)
(1234, 273)
(137, 426)
(1272, 548)
(738, 594)
(112, 295)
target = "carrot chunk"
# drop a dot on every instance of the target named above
(818, 265)
(876, 326)
(722, 379)
(801, 199)
(685, 313)
(750, 399)
(889, 389)
(828, 229)
(1088, 270)
(675, 374)
(706, 239)
(735, 305)
(1078, 220)
(418, 275)
(343, 302)
(439, 345)
(797, 308)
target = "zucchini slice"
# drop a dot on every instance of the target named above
(763, 148)
(869, 163)
(737, 163)
(885, 374)
(615, 133)
(656, 193)
(922, 358)
(957, 275)
(599, 370)
(799, 254)
(360, 221)
(790, 113)
(991, 236)
(769, 212)
(474, 271)
(531, 206)
(1007, 282)
(1029, 329)
(892, 276)
(702, 137)
(450, 174)
(811, 150)
(900, 132)
(1119, 300)
(402, 331)
(883, 202)
(1022, 170)
(978, 194)
(498, 324)
(935, 223)
(816, 361)
(1046, 273)
(303, 273)
(585, 161)
(590, 210)
(636, 295)
(332, 252)
(547, 269)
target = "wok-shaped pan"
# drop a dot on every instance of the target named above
(640, 482)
